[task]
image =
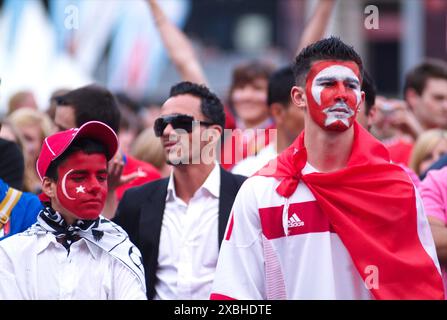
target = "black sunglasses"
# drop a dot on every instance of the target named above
(177, 121)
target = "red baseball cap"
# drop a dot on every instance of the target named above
(55, 145)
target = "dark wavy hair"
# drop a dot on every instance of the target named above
(211, 106)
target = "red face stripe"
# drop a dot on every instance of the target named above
(303, 218)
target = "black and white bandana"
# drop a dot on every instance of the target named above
(101, 232)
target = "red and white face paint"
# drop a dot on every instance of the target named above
(333, 90)
(82, 184)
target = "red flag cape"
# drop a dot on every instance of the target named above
(371, 204)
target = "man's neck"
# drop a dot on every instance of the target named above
(328, 150)
(283, 140)
(189, 178)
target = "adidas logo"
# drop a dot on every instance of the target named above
(294, 221)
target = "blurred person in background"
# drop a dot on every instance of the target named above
(18, 210)
(12, 168)
(425, 91)
(250, 81)
(51, 110)
(369, 88)
(96, 103)
(366, 118)
(428, 149)
(34, 126)
(9, 132)
(22, 99)
(130, 123)
(289, 122)
(148, 148)
(394, 124)
(248, 99)
(434, 195)
(149, 113)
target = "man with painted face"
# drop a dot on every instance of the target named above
(72, 252)
(330, 217)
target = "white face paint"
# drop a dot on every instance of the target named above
(338, 112)
(339, 73)
(334, 93)
(64, 190)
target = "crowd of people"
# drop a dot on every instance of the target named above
(302, 184)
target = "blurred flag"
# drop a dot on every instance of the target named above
(28, 56)
(137, 54)
(84, 28)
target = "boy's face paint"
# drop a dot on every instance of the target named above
(82, 184)
(333, 89)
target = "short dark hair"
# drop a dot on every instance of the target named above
(417, 77)
(92, 103)
(369, 87)
(327, 49)
(280, 84)
(86, 145)
(210, 105)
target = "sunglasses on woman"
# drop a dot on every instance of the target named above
(177, 121)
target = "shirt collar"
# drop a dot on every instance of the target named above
(171, 188)
(44, 241)
(211, 184)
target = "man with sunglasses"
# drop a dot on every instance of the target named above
(178, 223)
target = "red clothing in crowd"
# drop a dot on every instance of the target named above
(131, 165)
(230, 121)
(400, 150)
(243, 143)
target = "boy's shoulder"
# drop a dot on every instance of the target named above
(19, 242)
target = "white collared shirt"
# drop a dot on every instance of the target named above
(250, 165)
(188, 249)
(38, 267)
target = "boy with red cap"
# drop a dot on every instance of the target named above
(330, 217)
(72, 252)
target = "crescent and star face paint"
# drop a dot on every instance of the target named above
(333, 89)
(82, 184)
